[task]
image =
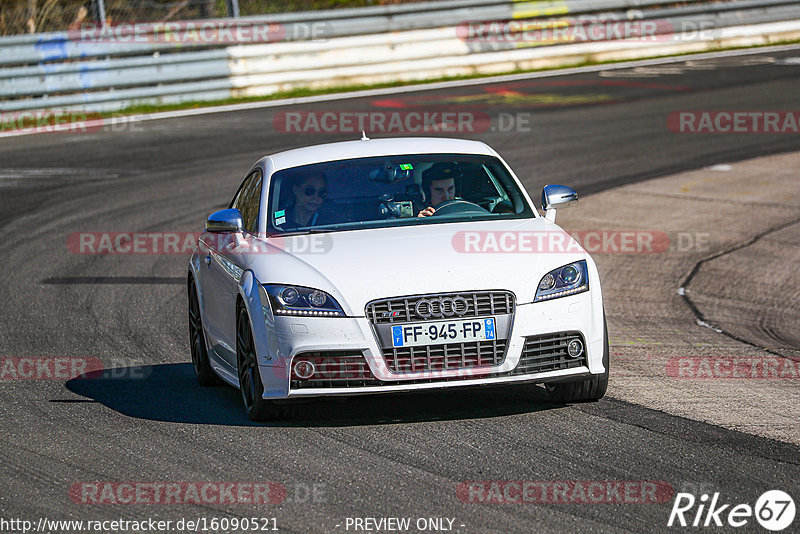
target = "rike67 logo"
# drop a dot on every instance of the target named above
(774, 510)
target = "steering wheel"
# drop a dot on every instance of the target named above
(459, 206)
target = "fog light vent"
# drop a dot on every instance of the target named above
(575, 348)
(304, 369)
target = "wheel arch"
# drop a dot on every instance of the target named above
(249, 297)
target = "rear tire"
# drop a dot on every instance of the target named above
(250, 384)
(197, 342)
(589, 390)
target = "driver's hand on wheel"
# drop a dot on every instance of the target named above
(427, 212)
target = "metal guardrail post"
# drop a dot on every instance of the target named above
(100, 12)
(233, 9)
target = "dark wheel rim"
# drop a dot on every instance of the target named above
(195, 331)
(246, 356)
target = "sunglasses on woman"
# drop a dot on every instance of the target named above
(310, 191)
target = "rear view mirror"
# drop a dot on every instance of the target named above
(554, 196)
(390, 173)
(229, 220)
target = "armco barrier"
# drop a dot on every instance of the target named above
(165, 63)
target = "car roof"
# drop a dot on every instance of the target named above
(377, 147)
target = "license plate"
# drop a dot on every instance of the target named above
(441, 332)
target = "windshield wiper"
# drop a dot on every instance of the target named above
(305, 231)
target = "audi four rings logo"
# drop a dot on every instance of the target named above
(441, 307)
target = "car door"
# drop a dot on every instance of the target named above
(223, 270)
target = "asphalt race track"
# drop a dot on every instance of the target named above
(146, 419)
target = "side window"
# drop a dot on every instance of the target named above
(248, 200)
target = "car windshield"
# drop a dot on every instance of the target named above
(392, 191)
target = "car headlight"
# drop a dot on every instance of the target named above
(567, 280)
(302, 301)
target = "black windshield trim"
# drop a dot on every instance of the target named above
(511, 189)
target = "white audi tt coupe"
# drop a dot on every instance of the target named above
(379, 266)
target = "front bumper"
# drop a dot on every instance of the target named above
(297, 336)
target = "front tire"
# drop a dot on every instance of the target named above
(197, 342)
(589, 390)
(250, 384)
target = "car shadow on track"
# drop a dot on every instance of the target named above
(169, 392)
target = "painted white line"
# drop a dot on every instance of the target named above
(708, 325)
(413, 88)
(721, 167)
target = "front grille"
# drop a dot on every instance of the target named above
(445, 357)
(541, 354)
(401, 309)
(334, 369)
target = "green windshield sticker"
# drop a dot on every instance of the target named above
(280, 213)
(406, 167)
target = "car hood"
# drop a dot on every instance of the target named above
(358, 266)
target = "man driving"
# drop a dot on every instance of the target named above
(439, 185)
